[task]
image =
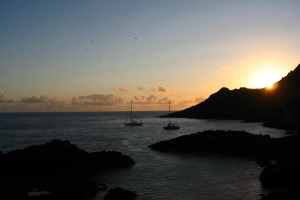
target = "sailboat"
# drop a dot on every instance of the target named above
(170, 126)
(132, 123)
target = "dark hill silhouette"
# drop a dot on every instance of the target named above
(278, 107)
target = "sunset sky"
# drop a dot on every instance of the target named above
(92, 55)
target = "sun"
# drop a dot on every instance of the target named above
(266, 78)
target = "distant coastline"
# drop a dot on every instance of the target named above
(276, 108)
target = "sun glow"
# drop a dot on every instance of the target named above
(266, 78)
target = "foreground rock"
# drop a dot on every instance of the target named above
(282, 195)
(283, 177)
(262, 148)
(58, 167)
(119, 194)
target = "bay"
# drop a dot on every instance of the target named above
(155, 175)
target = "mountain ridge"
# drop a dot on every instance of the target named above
(278, 107)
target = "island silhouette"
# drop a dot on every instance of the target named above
(276, 107)
(61, 169)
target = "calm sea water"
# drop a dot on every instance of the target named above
(155, 175)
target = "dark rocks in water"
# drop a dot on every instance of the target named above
(283, 123)
(282, 195)
(56, 157)
(58, 167)
(237, 143)
(119, 194)
(60, 158)
(292, 133)
(283, 175)
(263, 161)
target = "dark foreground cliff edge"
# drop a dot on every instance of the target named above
(282, 176)
(58, 167)
(278, 107)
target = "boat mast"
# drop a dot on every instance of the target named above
(131, 111)
(169, 112)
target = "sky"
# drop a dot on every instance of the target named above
(98, 55)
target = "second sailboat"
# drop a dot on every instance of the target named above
(132, 122)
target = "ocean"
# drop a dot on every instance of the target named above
(156, 175)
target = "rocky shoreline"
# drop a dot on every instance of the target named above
(59, 168)
(64, 171)
(283, 177)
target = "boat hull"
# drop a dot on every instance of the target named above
(171, 127)
(133, 124)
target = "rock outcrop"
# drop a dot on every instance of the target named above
(119, 194)
(283, 177)
(59, 167)
(237, 143)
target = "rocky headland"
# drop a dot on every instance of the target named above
(58, 167)
(282, 177)
(277, 107)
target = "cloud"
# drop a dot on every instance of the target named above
(145, 100)
(122, 89)
(159, 89)
(35, 99)
(162, 103)
(41, 99)
(88, 102)
(45, 102)
(33, 103)
(3, 98)
(199, 99)
(151, 99)
(2, 95)
(164, 100)
(97, 99)
(185, 103)
(6, 101)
